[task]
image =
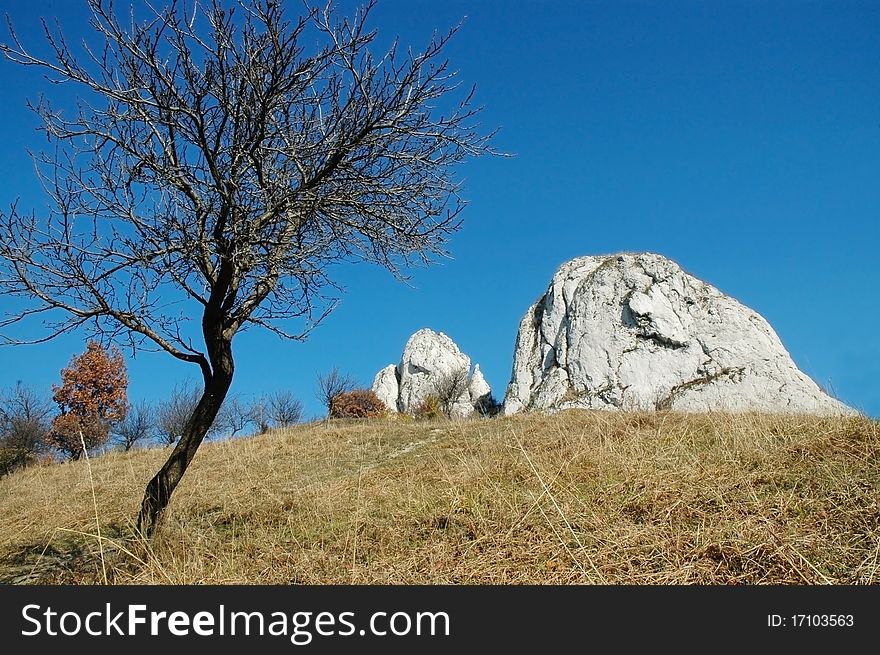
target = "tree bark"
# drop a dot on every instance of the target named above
(157, 495)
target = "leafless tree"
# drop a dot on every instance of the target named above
(449, 387)
(24, 422)
(138, 425)
(278, 409)
(330, 385)
(284, 409)
(173, 413)
(235, 416)
(216, 164)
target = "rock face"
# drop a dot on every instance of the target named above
(634, 331)
(430, 362)
(478, 386)
(386, 387)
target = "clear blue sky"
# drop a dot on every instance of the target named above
(741, 139)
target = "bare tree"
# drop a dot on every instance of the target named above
(284, 409)
(173, 413)
(278, 409)
(215, 166)
(260, 415)
(330, 385)
(138, 425)
(449, 387)
(234, 417)
(24, 422)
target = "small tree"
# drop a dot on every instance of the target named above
(284, 409)
(278, 409)
(330, 385)
(449, 388)
(70, 432)
(92, 394)
(138, 425)
(173, 413)
(234, 417)
(24, 422)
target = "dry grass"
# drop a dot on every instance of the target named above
(576, 497)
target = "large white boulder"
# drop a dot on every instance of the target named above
(430, 361)
(634, 331)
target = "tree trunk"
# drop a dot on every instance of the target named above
(158, 492)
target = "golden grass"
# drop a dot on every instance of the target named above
(572, 498)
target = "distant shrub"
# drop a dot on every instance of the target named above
(70, 429)
(488, 406)
(331, 385)
(449, 388)
(172, 414)
(430, 407)
(279, 409)
(91, 396)
(358, 403)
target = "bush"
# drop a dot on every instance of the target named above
(279, 409)
(487, 406)
(449, 388)
(172, 414)
(70, 432)
(359, 403)
(91, 396)
(430, 407)
(136, 426)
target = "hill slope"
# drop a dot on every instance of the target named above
(575, 497)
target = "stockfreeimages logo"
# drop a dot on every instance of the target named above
(299, 627)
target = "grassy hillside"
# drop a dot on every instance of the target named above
(578, 497)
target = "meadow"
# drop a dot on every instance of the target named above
(576, 497)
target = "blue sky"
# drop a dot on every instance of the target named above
(741, 139)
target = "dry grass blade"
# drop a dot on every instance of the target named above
(550, 495)
(85, 451)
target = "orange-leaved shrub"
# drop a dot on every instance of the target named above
(358, 403)
(92, 395)
(66, 430)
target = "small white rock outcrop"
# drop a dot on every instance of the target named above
(386, 387)
(634, 331)
(430, 360)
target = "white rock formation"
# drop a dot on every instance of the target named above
(429, 359)
(481, 394)
(634, 331)
(386, 387)
(478, 386)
